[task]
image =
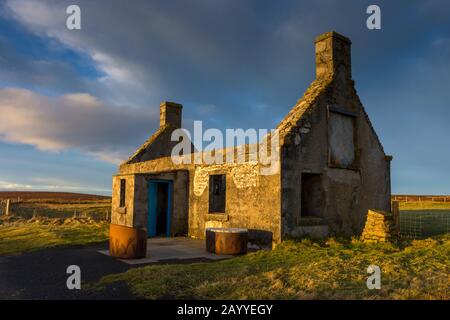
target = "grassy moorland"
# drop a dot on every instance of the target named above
(27, 205)
(418, 269)
(20, 236)
(46, 219)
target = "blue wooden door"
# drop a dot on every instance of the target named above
(154, 208)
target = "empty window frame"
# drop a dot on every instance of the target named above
(122, 192)
(342, 140)
(217, 193)
(312, 196)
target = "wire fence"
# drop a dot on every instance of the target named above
(49, 210)
(420, 224)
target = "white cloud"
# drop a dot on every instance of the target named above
(76, 120)
(50, 185)
(35, 13)
(7, 185)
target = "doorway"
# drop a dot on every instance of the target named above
(312, 198)
(159, 207)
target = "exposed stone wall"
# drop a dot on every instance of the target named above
(123, 216)
(140, 202)
(333, 56)
(252, 201)
(161, 145)
(347, 192)
(380, 227)
(135, 212)
(179, 211)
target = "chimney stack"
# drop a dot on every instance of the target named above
(170, 113)
(333, 56)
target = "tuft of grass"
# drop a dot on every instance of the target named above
(418, 269)
(23, 236)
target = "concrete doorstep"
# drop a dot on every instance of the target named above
(178, 248)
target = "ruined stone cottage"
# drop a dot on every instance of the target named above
(332, 169)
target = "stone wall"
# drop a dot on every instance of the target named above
(252, 201)
(123, 216)
(380, 227)
(135, 212)
(347, 192)
(179, 212)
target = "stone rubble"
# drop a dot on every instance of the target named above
(379, 227)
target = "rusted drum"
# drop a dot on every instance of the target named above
(226, 240)
(126, 242)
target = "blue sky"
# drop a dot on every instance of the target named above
(75, 103)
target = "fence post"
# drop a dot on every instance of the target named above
(7, 207)
(395, 209)
(396, 215)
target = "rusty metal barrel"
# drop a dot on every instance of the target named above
(126, 242)
(226, 240)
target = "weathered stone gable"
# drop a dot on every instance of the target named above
(292, 125)
(347, 191)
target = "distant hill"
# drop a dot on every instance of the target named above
(24, 195)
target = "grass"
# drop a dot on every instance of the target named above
(424, 205)
(23, 236)
(55, 219)
(303, 270)
(417, 269)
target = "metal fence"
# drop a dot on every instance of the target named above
(420, 224)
